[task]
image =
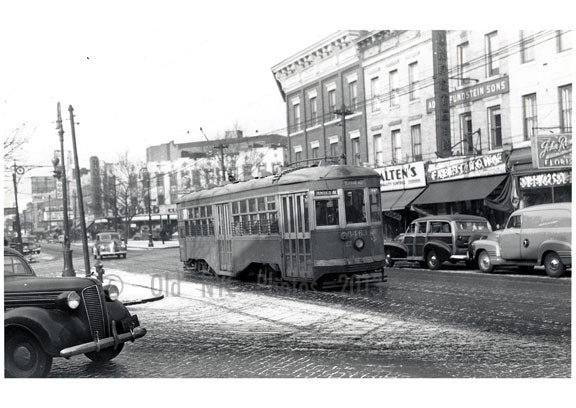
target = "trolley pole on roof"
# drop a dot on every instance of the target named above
(343, 112)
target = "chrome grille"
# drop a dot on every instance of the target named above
(94, 311)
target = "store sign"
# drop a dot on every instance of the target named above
(393, 215)
(552, 151)
(402, 177)
(9, 211)
(478, 166)
(474, 93)
(558, 178)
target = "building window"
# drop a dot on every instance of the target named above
(396, 146)
(530, 115)
(334, 148)
(495, 124)
(296, 109)
(416, 142)
(526, 46)
(565, 95)
(375, 93)
(393, 83)
(356, 151)
(492, 63)
(466, 133)
(563, 40)
(160, 180)
(297, 156)
(353, 94)
(313, 111)
(413, 78)
(463, 62)
(378, 150)
(314, 149)
(331, 104)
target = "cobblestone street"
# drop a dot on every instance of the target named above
(420, 324)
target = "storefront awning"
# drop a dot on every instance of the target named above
(459, 190)
(397, 200)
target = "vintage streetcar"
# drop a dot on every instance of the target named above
(317, 226)
(59, 317)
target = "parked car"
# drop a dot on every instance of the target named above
(538, 235)
(31, 245)
(433, 240)
(109, 244)
(59, 317)
(143, 236)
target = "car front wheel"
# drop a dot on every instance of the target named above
(24, 357)
(105, 355)
(554, 266)
(432, 260)
(484, 262)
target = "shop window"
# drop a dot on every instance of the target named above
(530, 118)
(355, 206)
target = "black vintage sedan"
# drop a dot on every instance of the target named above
(59, 317)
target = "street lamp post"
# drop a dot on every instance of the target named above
(146, 182)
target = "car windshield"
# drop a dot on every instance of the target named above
(109, 237)
(14, 266)
(473, 226)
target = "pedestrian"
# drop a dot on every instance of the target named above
(163, 236)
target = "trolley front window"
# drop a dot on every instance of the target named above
(355, 206)
(326, 211)
(375, 208)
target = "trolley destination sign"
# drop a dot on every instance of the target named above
(474, 93)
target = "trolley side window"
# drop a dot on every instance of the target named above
(255, 216)
(355, 206)
(326, 211)
(375, 207)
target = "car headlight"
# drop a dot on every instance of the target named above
(359, 243)
(112, 292)
(73, 300)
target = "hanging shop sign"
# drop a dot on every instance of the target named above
(393, 215)
(557, 178)
(402, 177)
(474, 93)
(478, 166)
(552, 151)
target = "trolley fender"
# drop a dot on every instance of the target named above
(54, 329)
(562, 248)
(396, 249)
(443, 250)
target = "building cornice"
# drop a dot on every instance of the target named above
(323, 49)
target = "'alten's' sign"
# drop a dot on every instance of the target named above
(401, 177)
(473, 93)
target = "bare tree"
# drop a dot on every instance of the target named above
(127, 201)
(14, 140)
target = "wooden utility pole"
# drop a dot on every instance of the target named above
(221, 147)
(343, 112)
(18, 229)
(80, 197)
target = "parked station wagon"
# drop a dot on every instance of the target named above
(59, 317)
(109, 244)
(538, 235)
(433, 240)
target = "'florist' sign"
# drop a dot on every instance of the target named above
(402, 177)
(477, 166)
(552, 151)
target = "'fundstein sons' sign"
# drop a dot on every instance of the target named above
(473, 93)
(402, 177)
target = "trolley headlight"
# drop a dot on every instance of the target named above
(73, 300)
(111, 292)
(359, 243)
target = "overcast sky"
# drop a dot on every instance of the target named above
(141, 73)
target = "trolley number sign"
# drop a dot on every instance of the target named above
(325, 193)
